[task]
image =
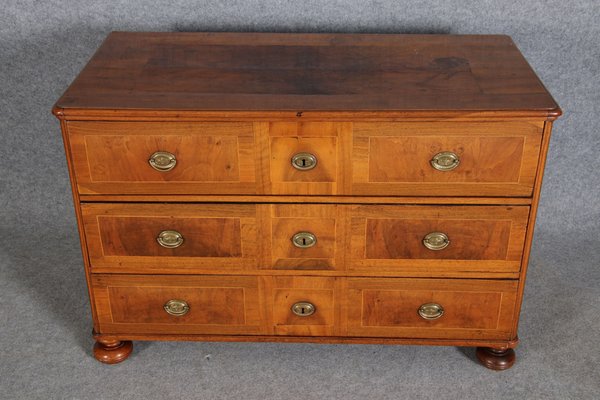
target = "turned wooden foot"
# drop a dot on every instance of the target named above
(112, 351)
(496, 359)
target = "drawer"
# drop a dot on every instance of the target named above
(431, 308)
(130, 237)
(204, 238)
(310, 158)
(369, 240)
(169, 304)
(304, 306)
(305, 157)
(437, 240)
(450, 158)
(303, 236)
(133, 157)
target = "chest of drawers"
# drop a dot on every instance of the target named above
(325, 188)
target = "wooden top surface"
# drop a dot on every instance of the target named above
(307, 72)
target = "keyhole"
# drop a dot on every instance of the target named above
(304, 161)
(303, 309)
(304, 240)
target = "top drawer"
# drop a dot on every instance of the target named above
(163, 157)
(446, 158)
(310, 158)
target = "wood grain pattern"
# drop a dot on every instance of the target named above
(362, 307)
(203, 237)
(531, 222)
(215, 236)
(394, 159)
(87, 114)
(368, 240)
(472, 308)
(115, 158)
(217, 304)
(496, 343)
(285, 291)
(313, 199)
(326, 222)
(132, 304)
(80, 228)
(483, 239)
(112, 157)
(329, 142)
(374, 109)
(302, 72)
(496, 159)
(469, 240)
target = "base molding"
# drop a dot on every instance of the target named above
(317, 339)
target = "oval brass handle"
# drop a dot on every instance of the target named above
(436, 241)
(304, 161)
(304, 240)
(303, 308)
(431, 311)
(170, 239)
(445, 161)
(176, 307)
(162, 161)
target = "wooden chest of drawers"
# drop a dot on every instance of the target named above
(306, 187)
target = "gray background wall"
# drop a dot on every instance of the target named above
(44, 318)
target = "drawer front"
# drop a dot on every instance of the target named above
(473, 159)
(168, 304)
(367, 240)
(304, 306)
(304, 158)
(303, 236)
(115, 157)
(168, 237)
(437, 240)
(431, 308)
(204, 238)
(310, 158)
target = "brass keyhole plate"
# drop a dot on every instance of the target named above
(304, 240)
(304, 161)
(303, 308)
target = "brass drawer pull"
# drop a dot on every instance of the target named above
(304, 161)
(303, 308)
(170, 239)
(445, 161)
(304, 240)
(176, 307)
(431, 311)
(162, 161)
(436, 241)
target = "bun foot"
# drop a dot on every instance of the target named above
(496, 359)
(112, 351)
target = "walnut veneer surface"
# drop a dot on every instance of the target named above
(411, 223)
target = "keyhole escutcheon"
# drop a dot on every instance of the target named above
(304, 240)
(304, 161)
(303, 308)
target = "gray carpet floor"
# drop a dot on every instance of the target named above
(45, 325)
